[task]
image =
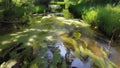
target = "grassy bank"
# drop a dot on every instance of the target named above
(106, 17)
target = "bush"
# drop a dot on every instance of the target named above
(78, 10)
(39, 9)
(96, 2)
(108, 19)
(90, 15)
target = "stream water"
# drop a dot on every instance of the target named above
(76, 62)
(113, 55)
(61, 30)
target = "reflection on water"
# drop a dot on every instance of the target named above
(114, 54)
(61, 47)
(77, 63)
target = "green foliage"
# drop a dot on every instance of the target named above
(39, 9)
(78, 9)
(96, 2)
(77, 35)
(67, 14)
(90, 15)
(16, 13)
(42, 2)
(108, 19)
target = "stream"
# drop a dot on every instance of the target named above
(114, 54)
(76, 61)
(61, 43)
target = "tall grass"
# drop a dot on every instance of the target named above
(106, 17)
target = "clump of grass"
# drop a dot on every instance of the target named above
(108, 19)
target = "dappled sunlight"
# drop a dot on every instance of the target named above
(18, 36)
(8, 64)
(38, 22)
(15, 40)
(0, 50)
(5, 42)
(31, 40)
(77, 23)
(70, 32)
(49, 37)
(72, 44)
(13, 34)
(29, 44)
(27, 30)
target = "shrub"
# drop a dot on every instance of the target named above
(108, 19)
(39, 9)
(90, 16)
(78, 10)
